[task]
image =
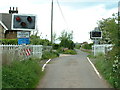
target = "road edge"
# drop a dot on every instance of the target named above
(43, 67)
(94, 68)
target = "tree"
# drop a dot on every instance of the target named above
(66, 35)
(109, 30)
(66, 40)
(111, 35)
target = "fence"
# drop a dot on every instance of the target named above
(19, 52)
(96, 49)
(47, 48)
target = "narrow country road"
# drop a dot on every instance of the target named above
(71, 72)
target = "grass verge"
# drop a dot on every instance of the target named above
(104, 66)
(21, 74)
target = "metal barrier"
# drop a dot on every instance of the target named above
(19, 52)
(96, 49)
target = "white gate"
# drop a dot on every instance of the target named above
(96, 49)
(9, 53)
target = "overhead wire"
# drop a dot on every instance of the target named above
(62, 13)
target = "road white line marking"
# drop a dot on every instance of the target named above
(94, 68)
(43, 67)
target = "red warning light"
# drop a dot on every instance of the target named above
(29, 19)
(18, 19)
(23, 24)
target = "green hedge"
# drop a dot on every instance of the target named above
(21, 74)
(8, 41)
(37, 41)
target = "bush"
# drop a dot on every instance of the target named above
(73, 52)
(51, 54)
(77, 46)
(87, 46)
(56, 46)
(21, 74)
(60, 49)
(67, 44)
(113, 58)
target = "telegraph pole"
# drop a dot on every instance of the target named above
(52, 22)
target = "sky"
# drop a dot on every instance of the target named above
(79, 16)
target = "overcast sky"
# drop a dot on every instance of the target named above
(80, 16)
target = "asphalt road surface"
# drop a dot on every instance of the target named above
(72, 71)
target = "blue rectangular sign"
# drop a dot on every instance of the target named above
(23, 41)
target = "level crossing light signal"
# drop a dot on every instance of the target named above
(18, 19)
(95, 34)
(29, 19)
(23, 22)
